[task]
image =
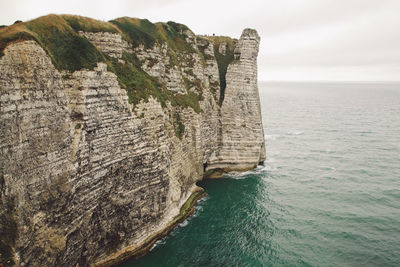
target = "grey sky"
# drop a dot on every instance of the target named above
(356, 40)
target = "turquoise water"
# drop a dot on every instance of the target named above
(327, 195)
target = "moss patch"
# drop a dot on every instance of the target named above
(138, 84)
(190, 99)
(179, 126)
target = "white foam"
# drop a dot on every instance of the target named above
(184, 223)
(267, 168)
(295, 133)
(203, 199)
(271, 136)
(243, 175)
(159, 242)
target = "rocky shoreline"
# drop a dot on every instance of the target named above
(135, 252)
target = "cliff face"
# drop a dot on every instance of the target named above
(92, 169)
(241, 140)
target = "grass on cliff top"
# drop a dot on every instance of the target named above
(79, 23)
(142, 31)
(66, 48)
(137, 31)
(58, 36)
(223, 60)
(58, 33)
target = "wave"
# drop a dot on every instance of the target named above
(159, 242)
(272, 136)
(327, 168)
(295, 133)
(184, 223)
(243, 175)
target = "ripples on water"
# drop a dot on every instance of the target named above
(327, 195)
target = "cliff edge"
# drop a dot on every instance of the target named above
(107, 126)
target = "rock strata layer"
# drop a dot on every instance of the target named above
(241, 144)
(86, 175)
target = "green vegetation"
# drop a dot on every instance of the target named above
(223, 60)
(187, 208)
(137, 31)
(190, 99)
(140, 85)
(58, 36)
(172, 33)
(12, 34)
(85, 24)
(67, 49)
(179, 126)
(141, 31)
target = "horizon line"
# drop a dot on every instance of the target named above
(327, 81)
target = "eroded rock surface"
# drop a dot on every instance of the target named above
(241, 144)
(85, 174)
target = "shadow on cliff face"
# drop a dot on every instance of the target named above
(8, 229)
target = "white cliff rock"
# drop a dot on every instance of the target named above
(241, 143)
(86, 176)
(110, 43)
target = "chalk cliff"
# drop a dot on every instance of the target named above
(102, 142)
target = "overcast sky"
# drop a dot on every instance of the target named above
(353, 40)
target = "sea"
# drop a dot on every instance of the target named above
(328, 193)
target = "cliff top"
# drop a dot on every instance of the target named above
(59, 36)
(251, 33)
